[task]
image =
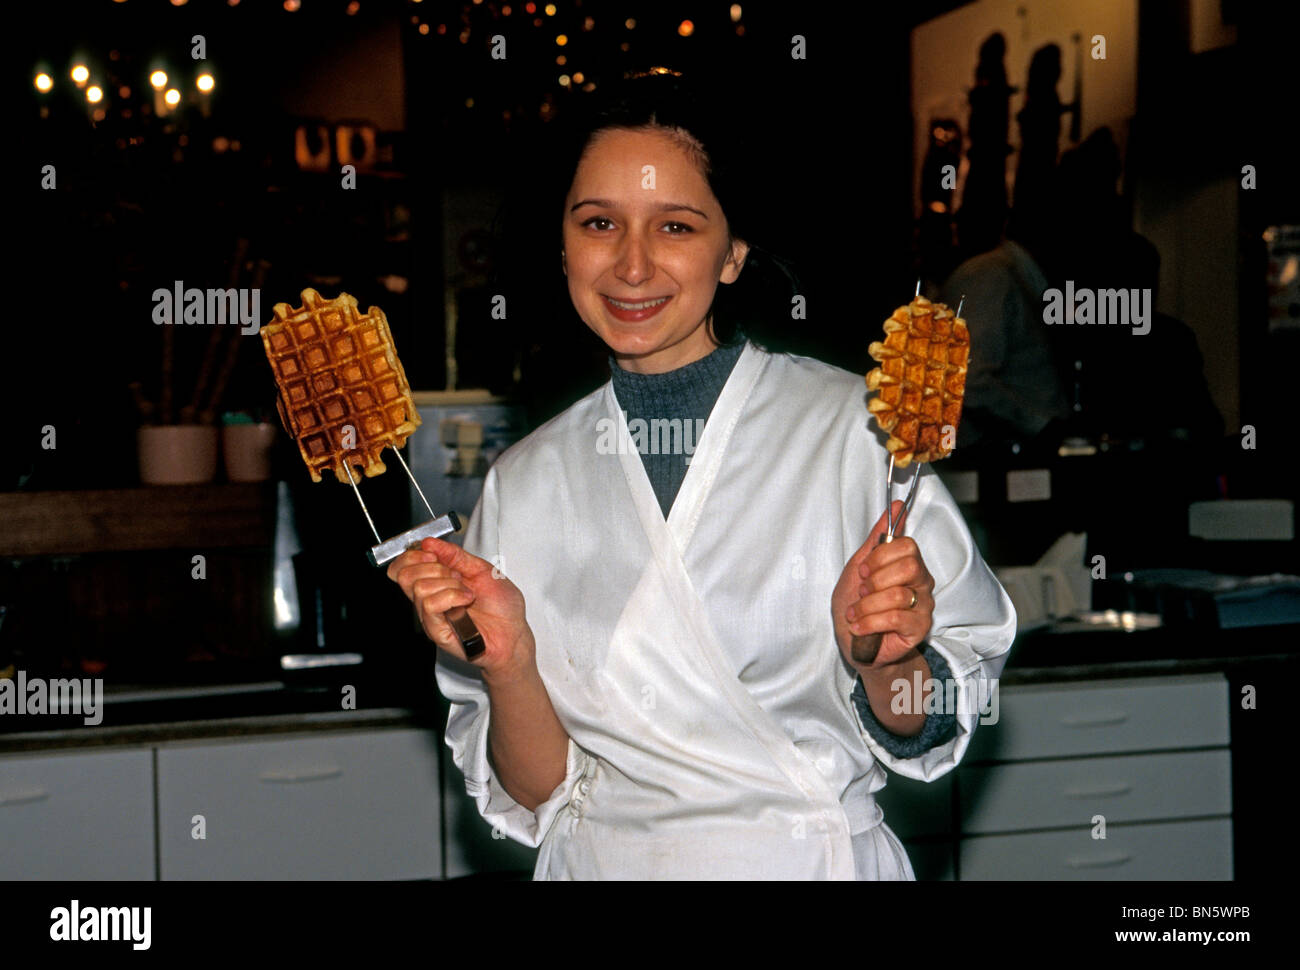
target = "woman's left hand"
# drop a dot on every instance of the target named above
(884, 590)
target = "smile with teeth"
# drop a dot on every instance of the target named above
(643, 305)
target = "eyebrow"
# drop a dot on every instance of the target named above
(662, 206)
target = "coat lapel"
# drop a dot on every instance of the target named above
(669, 541)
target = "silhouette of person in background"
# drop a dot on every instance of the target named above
(1130, 385)
(1024, 375)
(1012, 384)
(1040, 129)
(984, 195)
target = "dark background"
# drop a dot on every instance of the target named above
(128, 218)
(217, 197)
(143, 201)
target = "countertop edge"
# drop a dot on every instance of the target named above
(215, 729)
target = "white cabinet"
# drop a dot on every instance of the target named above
(79, 816)
(1200, 850)
(1063, 720)
(333, 806)
(1150, 755)
(351, 804)
(1073, 791)
(1032, 789)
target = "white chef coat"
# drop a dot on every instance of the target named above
(692, 661)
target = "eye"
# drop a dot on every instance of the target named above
(678, 228)
(594, 219)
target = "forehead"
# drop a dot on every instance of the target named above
(615, 159)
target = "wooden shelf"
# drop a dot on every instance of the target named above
(132, 519)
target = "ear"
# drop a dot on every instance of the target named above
(735, 261)
(564, 266)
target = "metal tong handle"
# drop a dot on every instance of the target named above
(865, 648)
(471, 641)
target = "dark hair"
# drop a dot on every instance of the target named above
(757, 304)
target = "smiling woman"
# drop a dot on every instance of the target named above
(667, 689)
(723, 161)
(645, 246)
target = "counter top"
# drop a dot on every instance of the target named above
(1138, 668)
(234, 723)
(231, 728)
(235, 711)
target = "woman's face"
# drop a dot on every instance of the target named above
(646, 245)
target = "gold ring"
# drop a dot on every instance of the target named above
(913, 603)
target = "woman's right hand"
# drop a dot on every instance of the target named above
(440, 576)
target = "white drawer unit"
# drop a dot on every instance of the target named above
(361, 805)
(77, 817)
(1149, 756)
(1105, 717)
(1193, 850)
(1131, 788)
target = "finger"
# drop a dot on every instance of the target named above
(909, 624)
(893, 598)
(887, 552)
(430, 586)
(432, 609)
(408, 558)
(901, 572)
(407, 577)
(453, 556)
(901, 549)
(411, 557)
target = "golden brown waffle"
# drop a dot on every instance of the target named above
(921, 380)
(337, 369)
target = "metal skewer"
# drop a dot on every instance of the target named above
(960, 304)
(418, 490)
(356, 491)
(889, 500)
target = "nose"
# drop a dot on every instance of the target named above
(635, 264)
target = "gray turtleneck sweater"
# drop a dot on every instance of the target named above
(688, 394)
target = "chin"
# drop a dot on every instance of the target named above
(624, 340)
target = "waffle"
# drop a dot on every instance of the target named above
(337, 368)
(920, 381)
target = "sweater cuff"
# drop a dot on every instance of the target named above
(939, 728)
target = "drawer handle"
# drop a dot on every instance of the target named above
(1094, 720)
(1098, 862)
(298, 777)
(23, 798)
(1098, 791)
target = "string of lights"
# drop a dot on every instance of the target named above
(581, 39)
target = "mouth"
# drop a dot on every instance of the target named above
(633, 312)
